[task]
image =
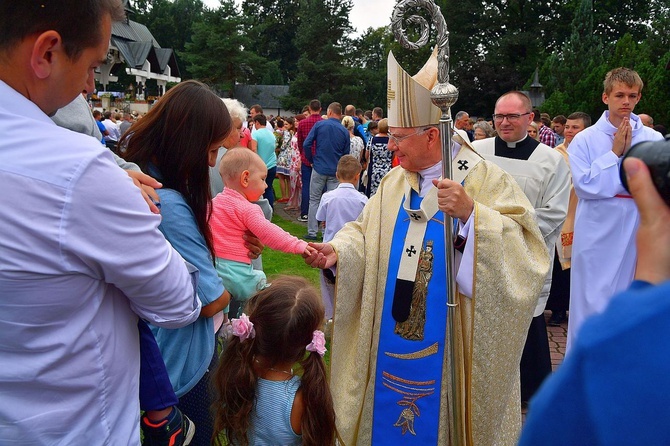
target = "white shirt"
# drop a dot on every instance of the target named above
(80, 258)
(338, 207)
(113, 130)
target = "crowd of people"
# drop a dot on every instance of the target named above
(133, 297)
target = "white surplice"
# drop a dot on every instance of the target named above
(603, 251)
(545, 179)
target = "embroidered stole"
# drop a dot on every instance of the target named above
(410, 357)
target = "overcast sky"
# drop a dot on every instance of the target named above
(364, 14)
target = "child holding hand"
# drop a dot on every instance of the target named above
(261, 400)
(233, 215)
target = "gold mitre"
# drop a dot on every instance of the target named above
(408, 97)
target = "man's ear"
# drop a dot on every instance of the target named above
(433, 135)
(605, 98)
(47, 47)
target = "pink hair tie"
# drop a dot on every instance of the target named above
(318, 343)
(243, 328)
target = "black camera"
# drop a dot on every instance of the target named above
(656, 155)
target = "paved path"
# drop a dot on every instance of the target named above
(557, 340)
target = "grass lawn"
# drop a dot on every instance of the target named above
(277, 263)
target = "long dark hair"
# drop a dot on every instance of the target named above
(284, 316)
(175, 137)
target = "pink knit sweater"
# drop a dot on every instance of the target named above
(233, 215)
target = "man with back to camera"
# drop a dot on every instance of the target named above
(85, 256)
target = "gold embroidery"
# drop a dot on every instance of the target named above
(430, 350)
(410, 395)
(390, 95)
(412, 329)
(407, 381)
(566, 239)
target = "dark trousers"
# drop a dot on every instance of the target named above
(270, 192)
(155, 388)
(559, 295)
(536, 359)
(197, 405)
(306, 172)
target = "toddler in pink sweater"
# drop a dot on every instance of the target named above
(233, 214)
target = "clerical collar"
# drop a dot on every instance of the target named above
(520, 150)
(426, 177)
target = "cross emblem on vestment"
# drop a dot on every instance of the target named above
(415, 216)
(463, 165)
(410, 251)
(390, 95)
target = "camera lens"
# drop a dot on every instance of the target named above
(656, 155)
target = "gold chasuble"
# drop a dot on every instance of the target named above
(511, 262)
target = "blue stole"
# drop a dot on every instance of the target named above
(408, 379)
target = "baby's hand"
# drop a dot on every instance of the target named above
(309, 251)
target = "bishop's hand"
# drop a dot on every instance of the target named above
(453, 200)
(322, 256)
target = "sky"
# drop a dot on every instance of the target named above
(364, 14)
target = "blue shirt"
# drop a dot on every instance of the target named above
(271, 416)
(187, 351)
(332, 143)
(80, 258)
(266, 146)
(613, 387)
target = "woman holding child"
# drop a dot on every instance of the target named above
(177, 142)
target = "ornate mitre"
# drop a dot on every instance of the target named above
(408, 97)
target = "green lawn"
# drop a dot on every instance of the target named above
(277, 262)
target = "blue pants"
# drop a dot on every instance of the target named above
(155, 388)
(270, 192)
(306, 172)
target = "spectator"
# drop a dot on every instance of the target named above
(558, 126)
(482, 130)
(379, 158)
(546, 135)
(337, 208)
(304, 127)
(260, 398)
(72, 279)
(176, 142)
(263, 142)
(331, 141)
(357, 145)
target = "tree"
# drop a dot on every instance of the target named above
(321, 41)
(271, 26)
(215, 54)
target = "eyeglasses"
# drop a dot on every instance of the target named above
(398, 139)
(512, 118)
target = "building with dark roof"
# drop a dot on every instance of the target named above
(267, 96)
(135, 49)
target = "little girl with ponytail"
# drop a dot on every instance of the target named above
(271, 381)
